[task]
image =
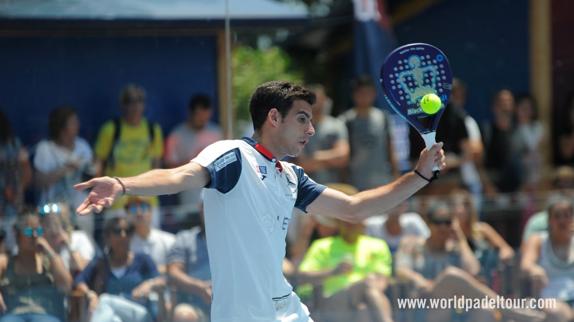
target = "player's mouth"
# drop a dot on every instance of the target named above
(303, 142)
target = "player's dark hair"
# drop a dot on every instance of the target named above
(201, 101)
(362, 81)
(276, 94)
(58, 119)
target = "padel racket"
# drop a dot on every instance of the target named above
(409, 73)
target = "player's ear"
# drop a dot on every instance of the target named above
(274, 117)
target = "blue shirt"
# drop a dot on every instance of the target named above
(139, 270)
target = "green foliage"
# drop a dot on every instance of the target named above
(251, 67)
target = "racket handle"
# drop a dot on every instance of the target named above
(430, 140)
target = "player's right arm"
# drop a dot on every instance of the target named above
(104, 190)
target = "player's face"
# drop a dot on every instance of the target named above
(296, 129)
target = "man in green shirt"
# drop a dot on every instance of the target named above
(352, 269)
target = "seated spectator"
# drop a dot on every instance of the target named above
(118, 283)
(15, 175)
(562, 184)
(74, 246)
(306, 229)
(188, 139)
(483, 240)
(396, 225)
(61, 161)
(443, 265)
(353, 269)
(148, 240)
(549, 262)
(189, 273)
(33, 282)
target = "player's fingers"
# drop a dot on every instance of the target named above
(96, 208)
(436, 147)
(84, 185)
(83, 207)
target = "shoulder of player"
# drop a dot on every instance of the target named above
(223, 146)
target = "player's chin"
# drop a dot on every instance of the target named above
(296, 150)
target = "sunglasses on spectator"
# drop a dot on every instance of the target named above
(119, 230)
(441, 221)
(29, 231)
(134, 208)
(49, 208)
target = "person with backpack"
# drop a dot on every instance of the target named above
(129, 145)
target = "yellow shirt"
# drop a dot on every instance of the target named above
(368, 256)
(132, 154)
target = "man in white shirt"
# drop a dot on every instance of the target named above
(148, 240)
(395, 225)
(249, 199)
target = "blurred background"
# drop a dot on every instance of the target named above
(119, 87)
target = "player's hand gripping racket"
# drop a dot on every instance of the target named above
(408, 74)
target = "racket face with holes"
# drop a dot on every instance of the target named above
(410, 72)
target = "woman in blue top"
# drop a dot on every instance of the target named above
(118, 283)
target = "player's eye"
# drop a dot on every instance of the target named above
(302, 119)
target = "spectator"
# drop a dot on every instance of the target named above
(188, 139)
(547, 259)
(562, 184)
(443, 265)
(130, 144)
(74, 246)
(189, 273)
(328, 151)
(148, 240)
(33, 282)
(62, 160)
(118, 283)
(396, 225)
(353, 269)
(527, 140)
(471, 167)
(501, 159)
(372, 159)
(15, 175)
(485, 242)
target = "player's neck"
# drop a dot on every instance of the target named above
(268, 143)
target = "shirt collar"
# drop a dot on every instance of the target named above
(264, 152)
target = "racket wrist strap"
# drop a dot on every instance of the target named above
(429, 180)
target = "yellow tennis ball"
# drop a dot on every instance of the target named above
(431, 103)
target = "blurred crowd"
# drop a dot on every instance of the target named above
(493, 223)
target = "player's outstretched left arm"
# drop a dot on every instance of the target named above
(356, 208)
(104, 190)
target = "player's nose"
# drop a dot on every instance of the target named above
(310, 129)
